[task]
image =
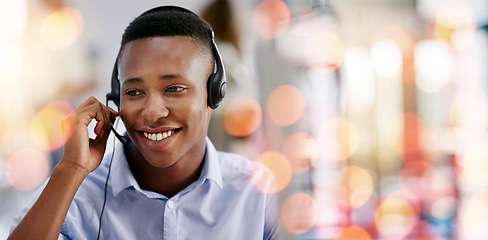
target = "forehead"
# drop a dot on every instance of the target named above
(170, 53)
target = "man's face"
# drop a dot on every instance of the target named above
(163, 98)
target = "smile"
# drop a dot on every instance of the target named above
(158, 136)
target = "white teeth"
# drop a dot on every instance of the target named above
(158, 136)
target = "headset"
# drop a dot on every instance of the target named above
(216, 88)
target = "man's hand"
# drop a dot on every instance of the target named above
(80, 151)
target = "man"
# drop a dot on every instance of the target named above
(169, 182)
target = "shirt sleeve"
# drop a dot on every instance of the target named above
(24, 211)
(272, 224)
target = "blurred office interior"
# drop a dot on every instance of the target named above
(373, 114)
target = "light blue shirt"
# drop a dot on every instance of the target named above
(222, 204)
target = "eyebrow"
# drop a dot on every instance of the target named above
(163, 77)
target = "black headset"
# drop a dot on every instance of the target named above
(216, 84)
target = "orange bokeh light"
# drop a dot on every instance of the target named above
(324, 51)
(242, 117)
(298, 213)
(62, 27)
(359, 184)
(45, 127)
(301, 149)
(286, 105)
(271, 18)
(455, 23)
(281, 168)
(353, 232)
(395, 218)
(26, 169)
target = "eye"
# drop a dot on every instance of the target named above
(174, 89)
(133, 93)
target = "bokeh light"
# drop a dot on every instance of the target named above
(360, 80)
(469, 110)
(242, 117)
(13, 17)
(434, 64)
(286, 105)
(353, 233)
(324, 51)
(396, 34)
(301, 149)
(281, 168)
(455, 23)
(62, 28)
(298, 213)
(359, 184)
(45, 127)
(271, 18)
(338, 139)
(387, 58)
(473, 164)
(473, 216)
(395, 218)
(27, 169)
(331, 200)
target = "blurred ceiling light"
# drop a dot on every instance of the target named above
(281, 168)
(434, 64)
(301, 149)
(455, 23)
(271, 19)
(359, 183)
(353, 232)
(13, 18)
(395, 218)
(359, 78)
(27, 169)
(298, 213)
(285, 105)
(324, 51)
(242, 117)
(62, 28)
(387, 59)
(45, 127)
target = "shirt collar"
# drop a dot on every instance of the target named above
(122, 177)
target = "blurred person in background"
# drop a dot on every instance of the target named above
(168, 181)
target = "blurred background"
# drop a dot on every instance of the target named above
(372, 113)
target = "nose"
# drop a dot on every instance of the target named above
(154, 108)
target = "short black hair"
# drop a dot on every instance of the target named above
(169, 22)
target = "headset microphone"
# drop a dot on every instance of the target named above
(123, 139)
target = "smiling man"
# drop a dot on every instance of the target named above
(168, 182)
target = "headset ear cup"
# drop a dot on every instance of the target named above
(217, 83)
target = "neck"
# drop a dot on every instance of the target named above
(166, 181)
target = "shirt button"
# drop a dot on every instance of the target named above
(170, 204)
